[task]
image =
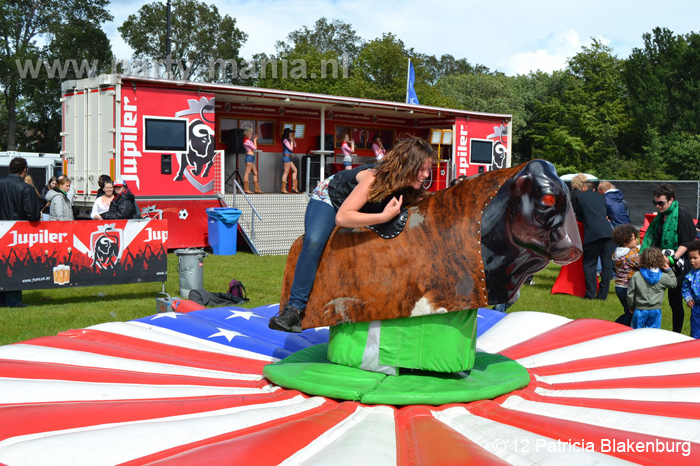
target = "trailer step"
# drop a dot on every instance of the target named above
(282, 220)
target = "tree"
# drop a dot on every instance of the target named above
(582, 126)
(664, 102)
(335, 38)
(312, 60)
(447, 65)
(202, 40)
(654, 77)
(381, 68)
(81, 41)
(24, 24)
(532, 89)
(304, 69)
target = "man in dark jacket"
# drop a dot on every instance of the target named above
(618, 212)
(591, 210)
(18, 201)
(123, 206)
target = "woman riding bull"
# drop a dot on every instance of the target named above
(364, 196)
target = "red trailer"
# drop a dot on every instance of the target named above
(177, 143)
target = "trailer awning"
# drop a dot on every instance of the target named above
(291, 99)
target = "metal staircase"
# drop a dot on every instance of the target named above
(280, 221)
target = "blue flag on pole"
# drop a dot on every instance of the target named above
(411, 97)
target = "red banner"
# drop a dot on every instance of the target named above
(188, 219)
(39, 255)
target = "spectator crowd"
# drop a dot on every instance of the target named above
(20, 200)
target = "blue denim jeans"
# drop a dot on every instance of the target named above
(319, 222)
(10, 298)
(621, 293)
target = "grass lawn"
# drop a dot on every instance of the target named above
(57, 310)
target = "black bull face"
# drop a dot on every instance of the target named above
(528, 223)
(200, 154)
(467, 246)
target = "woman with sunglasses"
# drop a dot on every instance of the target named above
(672, 230)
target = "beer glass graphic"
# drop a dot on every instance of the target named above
(61, 274)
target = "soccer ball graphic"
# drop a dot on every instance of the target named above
(183, 214)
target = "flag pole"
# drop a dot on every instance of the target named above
(408, 77)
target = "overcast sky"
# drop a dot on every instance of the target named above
(512, 36)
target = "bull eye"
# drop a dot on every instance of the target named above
(549, 199)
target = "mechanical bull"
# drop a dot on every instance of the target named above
(470, 245)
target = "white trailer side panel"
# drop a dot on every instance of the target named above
(89, 134)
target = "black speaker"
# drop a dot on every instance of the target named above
(166, 164)
(234, 141)
(329, 142)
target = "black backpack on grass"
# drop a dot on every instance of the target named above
(237, 290)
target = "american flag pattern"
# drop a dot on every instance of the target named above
(187, 389)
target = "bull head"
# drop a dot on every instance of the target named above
(528, 223)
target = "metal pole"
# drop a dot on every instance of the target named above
(408, 78)
(322, 172)
(168, 57)
(308, 174)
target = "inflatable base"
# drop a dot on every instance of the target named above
(435, 342)
(310, 372)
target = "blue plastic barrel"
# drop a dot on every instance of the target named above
(223, 230)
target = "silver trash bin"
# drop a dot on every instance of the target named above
(190, 267)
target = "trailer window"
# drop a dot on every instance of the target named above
(166, 134)
(481, 152)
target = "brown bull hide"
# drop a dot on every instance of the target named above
(433, 266)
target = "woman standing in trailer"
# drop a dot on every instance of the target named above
(378, 147)
(348, 149)
(250, 146)
(288, 145)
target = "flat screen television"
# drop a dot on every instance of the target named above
(166, 134)
(481, 151)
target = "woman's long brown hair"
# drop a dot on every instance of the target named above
(399, 168)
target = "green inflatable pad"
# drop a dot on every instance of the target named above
(310, 372)
(436, 342)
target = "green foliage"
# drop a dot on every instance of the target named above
(200, 37)
(304, 69)
(581, 125)
(71, 30)
(664, 102)
(88, 46)
(533, 89)
(381, 68)
(447, 65)
(315, 60)
(678, 151)
(334, 39)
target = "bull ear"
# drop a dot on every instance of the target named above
(521, 184)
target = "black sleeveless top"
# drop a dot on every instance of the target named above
(342, 184)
